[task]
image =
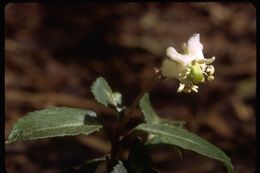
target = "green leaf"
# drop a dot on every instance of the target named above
(104, 94)
(119, 168)
(173, 123)
(182, 138)
(54, 122)
(149, 114)
(151, 117)
(154, 140)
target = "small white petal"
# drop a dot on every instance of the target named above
(171, 69)
(171, 53)
(179, 58)
(195, 47)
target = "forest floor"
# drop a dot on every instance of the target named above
(53, 52)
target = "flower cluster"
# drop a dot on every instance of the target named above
(190, 68)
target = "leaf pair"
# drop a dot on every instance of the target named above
(168, 133)
(64, 121)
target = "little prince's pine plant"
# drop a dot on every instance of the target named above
(189, 68)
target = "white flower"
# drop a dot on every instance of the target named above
(190, 68)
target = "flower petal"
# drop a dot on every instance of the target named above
(190, 68)
(195, 47)
(177, 57)
(171, 69)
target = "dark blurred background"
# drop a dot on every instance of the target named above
(54, 51)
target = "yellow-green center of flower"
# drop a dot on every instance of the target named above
(196, 74)
(189, 67)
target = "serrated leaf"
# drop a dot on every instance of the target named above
(169, 134)
(54, 122)
(104, 94)
(119, 168)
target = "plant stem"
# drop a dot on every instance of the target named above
(115, 143)
(125, 116)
